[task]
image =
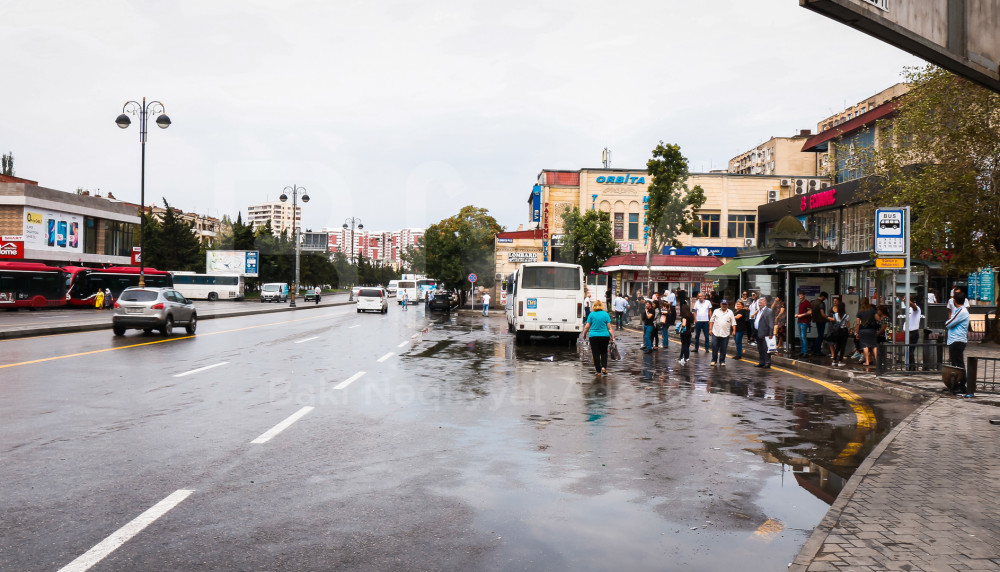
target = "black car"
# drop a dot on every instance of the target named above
(440, 301)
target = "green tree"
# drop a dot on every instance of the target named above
(413, 258)
(7, 164)
(940, 155)
(587, 239)
(171, 243)
(243, 235)
(672, 206)
(461, 244)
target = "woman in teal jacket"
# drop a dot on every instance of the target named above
(600, 336)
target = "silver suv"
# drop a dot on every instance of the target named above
(149, 309)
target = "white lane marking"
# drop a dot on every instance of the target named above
(385, 357)
(349, 380)
(283, 425)
(200, 369)
(403, 345)
(307, 340)
(125, 533)
(354, 326)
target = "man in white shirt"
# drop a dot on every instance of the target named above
(486, 304)
(702, 315)
(951, 301)
(931, 297)
(913, 328)
(671, 298)
(620, 306)
(723, 324)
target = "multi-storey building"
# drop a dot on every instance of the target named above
(777, 155)
(206, 228)
(280, 214)
(380, 247)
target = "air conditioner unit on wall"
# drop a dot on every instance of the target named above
(786, 183)
(773, 195)
(812, 184)
(750, 242)
(824, 185)
(800, 191)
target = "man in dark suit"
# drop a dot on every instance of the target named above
(764, 326)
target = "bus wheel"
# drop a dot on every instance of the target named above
(212, 296)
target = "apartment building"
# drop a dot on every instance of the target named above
(280, 214)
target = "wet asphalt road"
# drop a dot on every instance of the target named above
(454, 450)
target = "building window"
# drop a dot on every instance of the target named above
(90, 235)
(710, 225)
(858, 228)
(853, 154)
(619, 226)
(633, 226)
(742, 226)
(118, 238)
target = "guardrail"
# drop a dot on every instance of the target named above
(926, 357)
(983, 374)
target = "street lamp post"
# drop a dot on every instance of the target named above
(143, 110)
(295, 230)
(355, 221)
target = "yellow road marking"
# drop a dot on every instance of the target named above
(53, 358)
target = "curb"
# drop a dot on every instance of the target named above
(822, 530)
(93, 327)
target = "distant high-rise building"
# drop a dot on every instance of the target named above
(280, 215)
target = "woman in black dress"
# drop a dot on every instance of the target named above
(867, 330)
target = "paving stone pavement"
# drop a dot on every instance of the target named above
(926, 499)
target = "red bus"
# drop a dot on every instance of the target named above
(85, 282)
(32, 285)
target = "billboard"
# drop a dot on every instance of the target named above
(239, 261)
(11, 246)
(52, 231)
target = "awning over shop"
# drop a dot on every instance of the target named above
(731, 269)
(636, 262)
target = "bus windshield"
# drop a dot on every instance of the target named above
(550, 278)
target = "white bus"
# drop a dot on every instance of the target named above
(425, 285)
(209, 286)
(546, 298)
(408, 286)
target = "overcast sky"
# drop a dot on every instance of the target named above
(402, 112)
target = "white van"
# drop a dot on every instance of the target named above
(393, 286)
(274, 292)
(373, 300)
(408, 286)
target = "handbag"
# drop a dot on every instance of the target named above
(831, 334)
(680, 328)
(772, 344)
(613, 352)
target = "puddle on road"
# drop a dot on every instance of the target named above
(701, 468)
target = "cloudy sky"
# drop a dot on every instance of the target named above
(401, 112)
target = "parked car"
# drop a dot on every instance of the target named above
(373, 300)
(274, 292)
(151, 309)
(440, 301)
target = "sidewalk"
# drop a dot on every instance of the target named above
(928, 496)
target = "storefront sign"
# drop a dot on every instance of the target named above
(136, 254)
(522, 257)
(621, 180)
(819, 200)
(981, 285)
(505, 240)
(626, 246)
(12, 246)
(890, 263)
(665, 276)
(536, 203)
(725, 251)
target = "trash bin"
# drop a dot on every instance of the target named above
(952, 376)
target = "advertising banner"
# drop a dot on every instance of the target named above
(53, 231)
(243, 262)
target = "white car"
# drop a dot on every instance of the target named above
(373, 300)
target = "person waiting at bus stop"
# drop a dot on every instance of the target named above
(620, 307)
(702, 314)
(958, 337)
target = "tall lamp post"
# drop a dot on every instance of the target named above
(143, 110)
(355, 221)
(295, 230)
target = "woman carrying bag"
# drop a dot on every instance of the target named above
(600, 336)
(839, 332)
(684, 329)
(667, 318)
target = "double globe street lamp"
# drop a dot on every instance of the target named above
(355, 221)
(295, 190)
(143, 110)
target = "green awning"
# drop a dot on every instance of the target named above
(731, 269)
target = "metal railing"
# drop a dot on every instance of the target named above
(983, 374)
(925, 357)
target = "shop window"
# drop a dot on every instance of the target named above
(118, 238)
(742, 226)
(710, 225)
(619, 226)
(90, 235)
(633, 226)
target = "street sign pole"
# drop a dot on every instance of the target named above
(906, 233)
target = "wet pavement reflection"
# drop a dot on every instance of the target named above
(655, 466)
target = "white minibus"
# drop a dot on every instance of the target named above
(408, 286)
(546, 298)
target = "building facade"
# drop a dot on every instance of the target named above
(280, 214)
(777, 156)
(39, 224)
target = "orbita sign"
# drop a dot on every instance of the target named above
(622, 180)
